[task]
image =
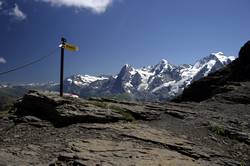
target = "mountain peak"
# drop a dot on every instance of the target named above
(127, 68)
(163, 61)
(222, 58)
(126, 65)
(244, 51)
(218, 53)
(213, 58)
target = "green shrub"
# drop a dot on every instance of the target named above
(242, 163)
(128, 116)
(122, 97)
(100, 104)
(217, 129)
(115, 108)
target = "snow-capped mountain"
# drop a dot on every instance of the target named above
(3, 86)
(75, 83)
(161, 81)
(85, 80)
(190, 73)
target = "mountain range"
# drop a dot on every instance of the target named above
(159, 82)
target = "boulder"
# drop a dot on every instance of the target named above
(63, 111)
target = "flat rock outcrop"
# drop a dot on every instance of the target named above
(63, 111)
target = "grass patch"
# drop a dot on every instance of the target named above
(217, 129)
(122, 97)
(128, 116)
(242, 163)
(100, 104)
(115, 108)
(231, 87)
(7, 110)
(4, 114)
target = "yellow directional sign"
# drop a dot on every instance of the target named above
(70, 47)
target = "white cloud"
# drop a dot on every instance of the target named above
(2, 60)
(96, 6)
(17, 13)
(1, 5)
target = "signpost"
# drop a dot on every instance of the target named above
(69, 47)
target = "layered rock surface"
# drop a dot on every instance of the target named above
(63, 111)
(206, 133)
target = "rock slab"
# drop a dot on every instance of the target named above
(63, 111)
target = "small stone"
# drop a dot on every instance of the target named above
(80, 163)
(213, 138)
(16, 136)
(32, 119)
(34, 147)
(66, 156)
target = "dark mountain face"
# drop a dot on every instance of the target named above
(123, 77)
(220, 81)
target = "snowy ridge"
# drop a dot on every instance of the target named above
(83, 80)
(3, 86)
(222, 58)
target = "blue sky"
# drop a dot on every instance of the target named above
(111, 33)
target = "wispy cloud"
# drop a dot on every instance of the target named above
(96, 6)
(2, 60)
(17, 13)
(1, 5)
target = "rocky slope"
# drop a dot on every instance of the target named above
(49, 130)
(230, 78)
